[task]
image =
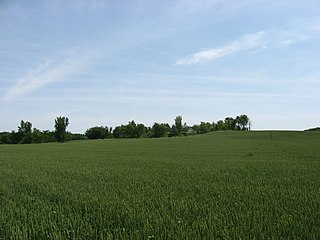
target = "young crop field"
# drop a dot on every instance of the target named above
(222, 185)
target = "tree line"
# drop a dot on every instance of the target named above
(313, 129)
(26, 134)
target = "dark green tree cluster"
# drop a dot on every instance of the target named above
(240, 123)
(131, 130)
(313, 129)
(160, 130)
(179, 129)
(98, 132)
(26, 134)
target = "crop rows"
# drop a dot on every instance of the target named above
(224, 185)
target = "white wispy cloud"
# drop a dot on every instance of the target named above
(244, 43)
(275, 38)
(46, 73)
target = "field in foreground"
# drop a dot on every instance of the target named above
(224, 185)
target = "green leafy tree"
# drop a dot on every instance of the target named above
(97, 133)
(25, 127)
(119, 131)
(37, 136)
(61, 124)
(130, 130)
(178, 124)
(48, 136)
(5, 138)
(160, 130)
(213, 128)
(25, 132)
(173, 131)
(140, 130)
(242, 122)
(196, 128)
(205, 127)
(15, 137)
(229, 123)
(186, 130)
(219, 126)
(110, 135)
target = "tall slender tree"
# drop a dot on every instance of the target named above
(178, 124)
(25, 132)
(61, 124)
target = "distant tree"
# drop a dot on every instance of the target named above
(196, 128)
(5, 138)
(48, 136)
(173, 131)
(140, 130)
(119, 132)
(229, 123)
(313, 129)
(61, 124)
(205, 127)
(15, 137)
(148, 132)
(213, 126)
(160, 130)
(219, 126)
(187, 130)
(178, 124)
(130, 130)
(242, 122)
(110, 135)
(37, 136)
(107, 132)
(25, 127)
(25, 132)
(97, 132)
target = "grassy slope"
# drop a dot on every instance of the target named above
(224, 185)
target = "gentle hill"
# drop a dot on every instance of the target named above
(222, 185)
(313, 129)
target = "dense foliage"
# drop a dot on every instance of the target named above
(61, 124)
(26, 134)
(134, 130)
(224, 185)
(97, 132)
(313, 129)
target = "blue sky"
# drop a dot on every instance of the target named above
(108, 62)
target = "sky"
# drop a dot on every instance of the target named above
(107, 62)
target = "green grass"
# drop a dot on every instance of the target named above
(224, 185)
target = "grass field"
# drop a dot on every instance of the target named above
(223, 185)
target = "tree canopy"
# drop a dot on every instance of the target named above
(26, 134)
(61, 124)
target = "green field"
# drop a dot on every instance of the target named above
(223, 185)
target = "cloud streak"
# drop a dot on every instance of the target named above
(245, 43)
(259, 41)
(45, 74)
